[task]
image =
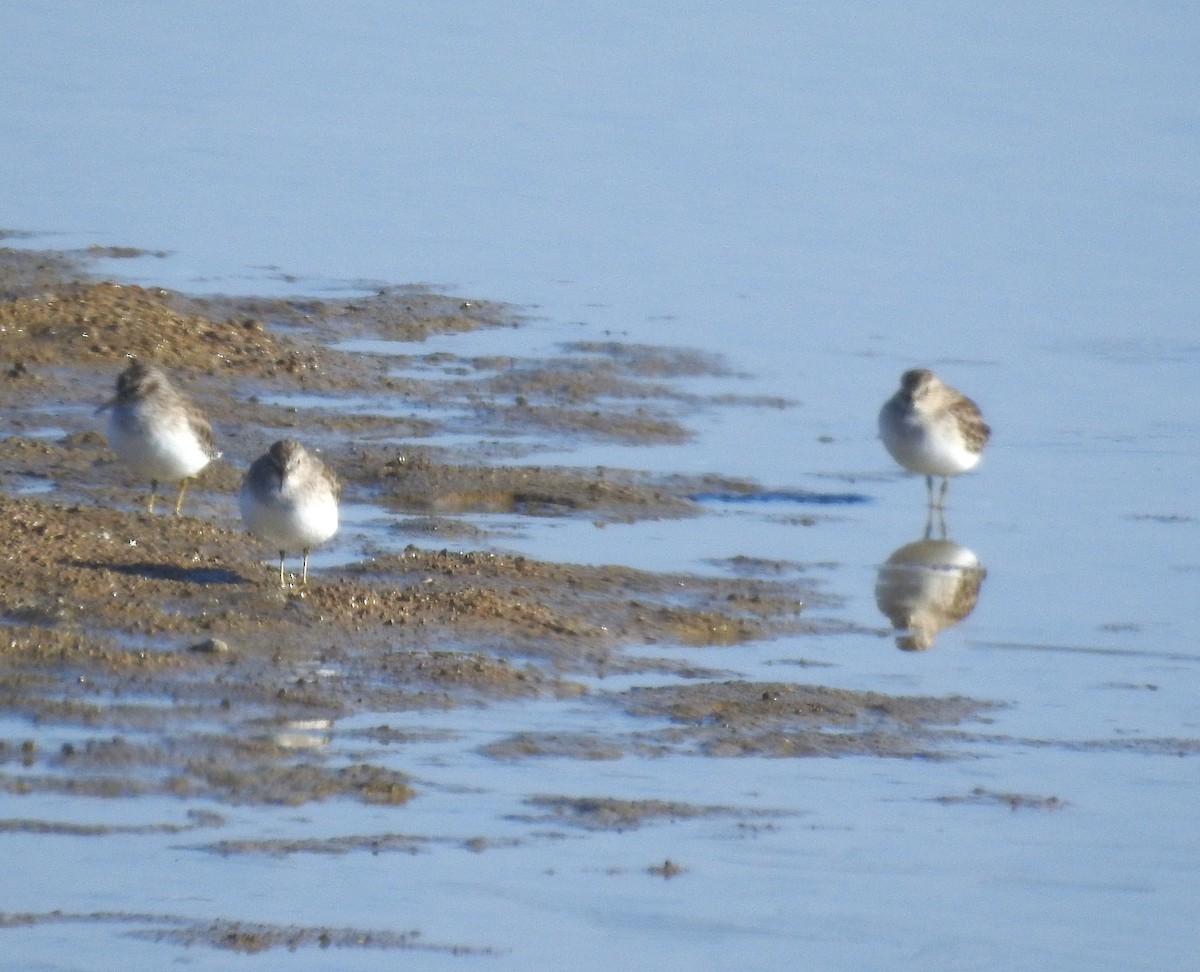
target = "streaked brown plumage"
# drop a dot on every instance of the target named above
(932, 429)
(157, 431)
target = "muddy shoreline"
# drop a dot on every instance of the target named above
(170, 644)
(103, 601)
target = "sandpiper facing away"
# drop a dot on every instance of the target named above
(156, 431)
(932, 429)
(290, 498)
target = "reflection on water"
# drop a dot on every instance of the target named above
(304, 734)
(927, 586)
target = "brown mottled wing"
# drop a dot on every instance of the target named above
(331, 478)
(975, 431)
(202, 431)
(966, 594)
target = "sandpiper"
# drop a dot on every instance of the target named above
(932, 429)
(156, 430)
(290, 498)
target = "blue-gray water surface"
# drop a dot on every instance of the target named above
(825, 194)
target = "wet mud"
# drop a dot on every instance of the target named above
(373, 844)
(777, 719)
(183, 669)
(105, 606)
(1013, 801)
(606, 813)
(238, 936)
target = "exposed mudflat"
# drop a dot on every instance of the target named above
(170, 642)
(106, 605)
(244, 937)
(737, 718)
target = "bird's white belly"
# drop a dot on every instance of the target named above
(290, 521)
(156, 451)
(927, 450)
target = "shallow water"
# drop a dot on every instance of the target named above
(825, 195)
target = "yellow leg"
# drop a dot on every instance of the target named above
(304, 571)
(282, 582)
(153, 490)
(183, 485)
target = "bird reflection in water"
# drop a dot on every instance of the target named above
(304, 734)
(927, 586)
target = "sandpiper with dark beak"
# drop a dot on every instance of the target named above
(932, 429)
(290, 498)
(156, 431)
